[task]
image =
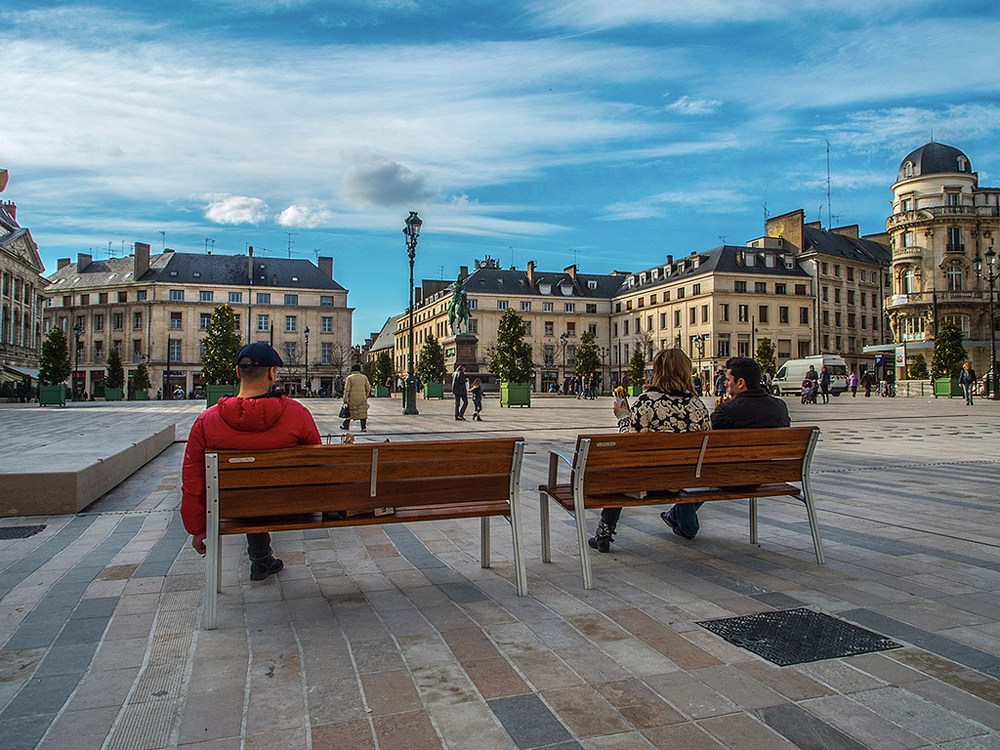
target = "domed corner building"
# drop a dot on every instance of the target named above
(941, 221)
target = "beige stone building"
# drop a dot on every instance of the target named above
(21, 299)
(155, 310)
(941, 220)
(557, 308)
(851, 281)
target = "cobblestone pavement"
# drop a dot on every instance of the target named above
(394, 637)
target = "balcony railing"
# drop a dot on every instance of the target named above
(954, 248)
(911, 251)
(927, 298)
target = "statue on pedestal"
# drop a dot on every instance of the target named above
(458, 308)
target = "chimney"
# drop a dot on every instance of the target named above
(141, 260)
(250, 265)
(11, 209)
(326, 265)
(463, 271)
(82, 261)
(531, 273)
(417, 296)
(670, 260)
(848, 231)
(571, 270)
(62, 263)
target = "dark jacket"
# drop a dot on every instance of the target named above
(235, 424)
(753, 408)
(967, 377)
(460, 384)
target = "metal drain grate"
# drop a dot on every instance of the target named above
(19, 532)
(797, 636)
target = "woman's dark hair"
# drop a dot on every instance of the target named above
(672, 372)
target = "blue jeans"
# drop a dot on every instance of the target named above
(259, 546)
(686, 517)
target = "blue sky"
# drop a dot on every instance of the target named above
(606, 133)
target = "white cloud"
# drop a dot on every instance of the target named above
(235, 209)
(687, 105)
(305, 212)
(703, 199)
(882, 128)
(374, 179)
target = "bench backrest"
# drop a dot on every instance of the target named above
(651, 461)
(362, 477)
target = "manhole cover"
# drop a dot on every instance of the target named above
(19, 532)
(796, 636)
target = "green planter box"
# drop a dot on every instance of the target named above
(381, 391)
(515, 394)
(635, 390)
(433, 390)
(947, 387)
(214, 392)
(114, 394)
(51, 394)
(141, 396)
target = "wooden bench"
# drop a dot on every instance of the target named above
(613, 470)
(292, 489)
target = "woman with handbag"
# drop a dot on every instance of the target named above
(356, 392)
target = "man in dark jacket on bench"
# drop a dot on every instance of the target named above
(749, 406)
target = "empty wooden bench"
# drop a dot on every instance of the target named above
(614, 470)
(298, 488)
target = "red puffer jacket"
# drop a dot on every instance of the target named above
(239, 424)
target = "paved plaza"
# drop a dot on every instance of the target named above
(393, 637)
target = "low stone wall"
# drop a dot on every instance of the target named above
(916, 388)
(67, 475)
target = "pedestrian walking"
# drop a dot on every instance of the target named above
(476, 391)
(866, 383)
(853, 383)
(460, 390)
(967, 379)
(824, 384)
(357, 389)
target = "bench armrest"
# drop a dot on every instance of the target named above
(554, 458)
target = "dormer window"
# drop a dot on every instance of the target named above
(592, 284)
(748, 259)
(963, 164)
(908, 169)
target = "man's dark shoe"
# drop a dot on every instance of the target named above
(261, 569)
(601, 541)
(665, 515)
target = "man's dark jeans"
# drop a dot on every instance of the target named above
(463, 400)
(259, 546)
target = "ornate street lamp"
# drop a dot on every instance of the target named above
(991, 277)
(308, 389)
(77, 330)
(412, 231)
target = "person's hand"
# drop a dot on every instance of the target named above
(619, 408)
(198, 542)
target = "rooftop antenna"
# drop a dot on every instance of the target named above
(829, 213)
(109, 251)
(207, 250)
(766, 215)
(441, 272)
(512, 256)
(163, 238)
(290, 243)
(723, 238)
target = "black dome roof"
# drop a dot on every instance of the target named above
(934, 158)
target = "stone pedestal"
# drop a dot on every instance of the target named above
(460, 350)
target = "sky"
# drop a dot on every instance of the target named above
(606, 134)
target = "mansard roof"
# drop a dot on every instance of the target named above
(843, 246)
(486, 280)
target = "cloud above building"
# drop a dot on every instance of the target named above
(235, 209)
(374, 179)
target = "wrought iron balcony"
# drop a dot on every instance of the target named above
(955, 248)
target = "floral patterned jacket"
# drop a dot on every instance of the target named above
(655, 411)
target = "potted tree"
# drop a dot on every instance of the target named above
(511, 362)
(218, 362)
(587, 361)
(636, 373)
(114, 378)
(949, 354)
(140, 382)
(431, 369)
(53, 369)
(383, 371)
(918, 370)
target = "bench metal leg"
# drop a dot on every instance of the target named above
(484, 533)
(813, 522)
(581, 536)
(753, 520)
(520, 575)
(213, 542)
(543, 513)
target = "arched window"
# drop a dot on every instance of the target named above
(908, 169)
(963, 164)
(908, 281)
(956, 279)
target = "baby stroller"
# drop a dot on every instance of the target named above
(809, 391)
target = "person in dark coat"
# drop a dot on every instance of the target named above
(460, 389)
(824, 384)
(748, 407)
(867, 381)
(967, 379)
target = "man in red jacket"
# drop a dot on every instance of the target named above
(259, 417)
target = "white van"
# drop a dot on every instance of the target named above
(790, 375)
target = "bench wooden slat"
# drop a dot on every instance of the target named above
(633, 479)
(563, 494)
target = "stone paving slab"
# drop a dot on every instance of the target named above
(394, 637)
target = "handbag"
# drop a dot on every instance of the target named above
(345, 412)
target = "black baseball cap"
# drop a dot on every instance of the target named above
(259, 354)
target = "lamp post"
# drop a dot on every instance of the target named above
(308, 389)
(604, 365)
(412, 232)
(991, 277)
(699, 341)
(563, 338)
(77, 330)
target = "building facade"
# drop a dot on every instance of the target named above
(557, 308)
(941, 221)
(156, 309)
(21, 300)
